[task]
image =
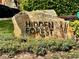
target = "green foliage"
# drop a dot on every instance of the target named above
(6, 26)
(11, 46)
(39, 47)
(62, 7)
(75, 25)
(60, 45)
(6, 29)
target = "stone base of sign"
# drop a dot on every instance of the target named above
(40, 24)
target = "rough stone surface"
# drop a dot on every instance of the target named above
(58, 26)
(19, 21)
(24, 56)
(40, 57)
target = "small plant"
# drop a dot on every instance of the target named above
(61, 45)
(41, 49)
(75, 25)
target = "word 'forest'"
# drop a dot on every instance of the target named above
(41, 28)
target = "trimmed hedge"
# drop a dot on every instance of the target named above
(62, 7)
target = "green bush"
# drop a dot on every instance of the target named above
(75, 26)
(41, 48)
(62, 7)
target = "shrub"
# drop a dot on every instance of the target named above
(41, 51)
(68, 45)
(62, 7)
(61, 45)
(41, 48)
(54, 46)
(75, 26)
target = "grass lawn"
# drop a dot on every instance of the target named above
(6, 29)
(6, 26)
(12, 46)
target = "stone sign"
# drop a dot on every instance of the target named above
(40, 24)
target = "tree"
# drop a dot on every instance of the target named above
(16, 3)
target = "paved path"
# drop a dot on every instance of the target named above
(5, 19)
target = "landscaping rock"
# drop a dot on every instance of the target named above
(19, 22)
(39, 24)
(24, 56)
(40, 57)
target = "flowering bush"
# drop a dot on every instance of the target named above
(75, 25)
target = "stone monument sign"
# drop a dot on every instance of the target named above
(40, 24)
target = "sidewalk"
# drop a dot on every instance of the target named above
(5, 19)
